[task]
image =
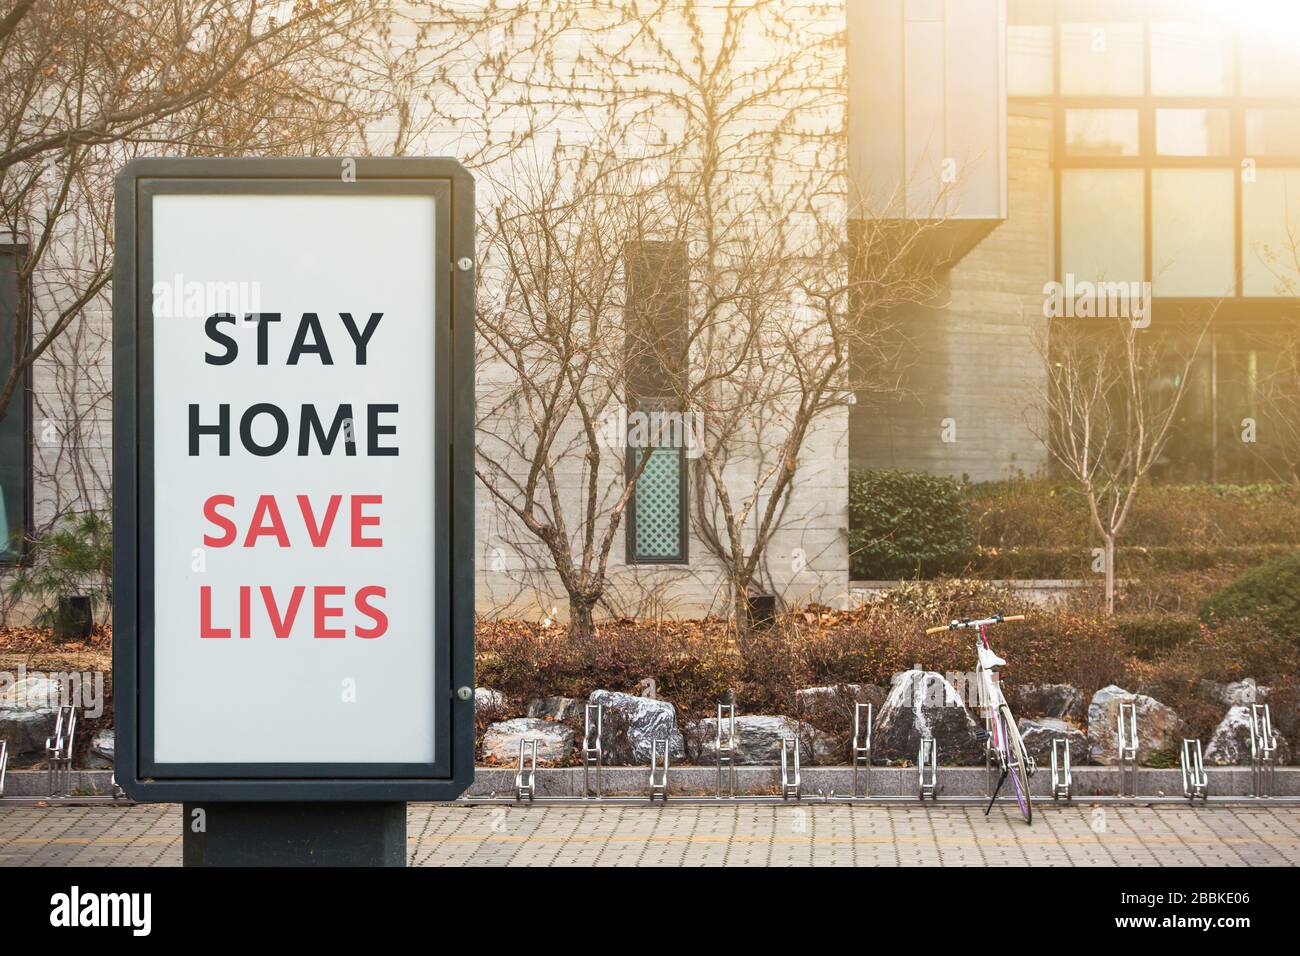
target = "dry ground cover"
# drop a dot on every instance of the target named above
(698, 663)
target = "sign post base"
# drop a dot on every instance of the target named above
(294, 834)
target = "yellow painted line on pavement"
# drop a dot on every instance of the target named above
(89, 841)
(993, 841)
(1002, 839)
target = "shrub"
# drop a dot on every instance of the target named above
(1176, 591)
(1268, 594)
(697, 663)
(1151, 634)
(905, 523)
(1041, 514)
(1227, 652)
(945, 599)
(72, 559)
(1077, 561)
(1027, 514)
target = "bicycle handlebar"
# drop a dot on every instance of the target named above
(966, 623)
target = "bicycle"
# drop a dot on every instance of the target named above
(1000, 735)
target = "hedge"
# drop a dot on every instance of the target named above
(904, 524)
(1155, 633)
(1268, 594)
(1077, 562)
(910, 524)
(1037, 514)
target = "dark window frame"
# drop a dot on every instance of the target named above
(655, 397)
(23, 556)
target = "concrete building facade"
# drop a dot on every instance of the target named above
(1144, 141)
(65, 427)
(1148, 143)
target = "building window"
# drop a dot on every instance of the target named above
(1101, 132)
(15, 432)
(1101, 59)
(1175, 145)
(1269, 66)
(1191, 58)
(1192, 233)
(1192, 132)
(1270, 262)
(657, 511)
(1102, 224)
(1273, 132)
(1176, 154)
(1030, 65)
(656, 345)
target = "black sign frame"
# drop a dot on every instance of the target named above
(452, 713)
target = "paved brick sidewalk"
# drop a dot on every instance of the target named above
(726, 835)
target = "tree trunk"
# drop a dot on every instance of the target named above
(740, 607)
(1110, 574)
(582, 625)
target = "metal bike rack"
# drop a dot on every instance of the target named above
(790, 780)
(58, 750)
(1126, 741)
(928, 759)
(1062, 783)
(861, 746)
(658, 774)
(1263, 751)
(4, 762)
(726, 747)
(526, 777)
(1195, 782)
(592, 754)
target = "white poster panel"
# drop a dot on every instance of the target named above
(293, 462)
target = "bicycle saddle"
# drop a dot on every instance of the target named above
(988, 660)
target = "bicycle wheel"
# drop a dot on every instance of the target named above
(1017, 765)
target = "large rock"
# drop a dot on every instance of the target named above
(1159, 727)
(28, 711)
(758, 740)
(101, 753)
(104, 744)
(630, 724)
(859, 693)
(1038, 734)
(485, 698)
(501, 741)
(26, 730)
(1061, 701)
(1234, 693)
(556, 708)
(1230, 742)
(924, 703)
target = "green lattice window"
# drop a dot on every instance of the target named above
(657, 303)
(657, 512)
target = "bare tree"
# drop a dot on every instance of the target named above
(1274, 385)
(1112, 395)
(86, 84)
(554, 359)
(732, 118)
(826, 333)
(742, 107)
(1276, 438)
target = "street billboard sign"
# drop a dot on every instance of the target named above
(293, 451)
